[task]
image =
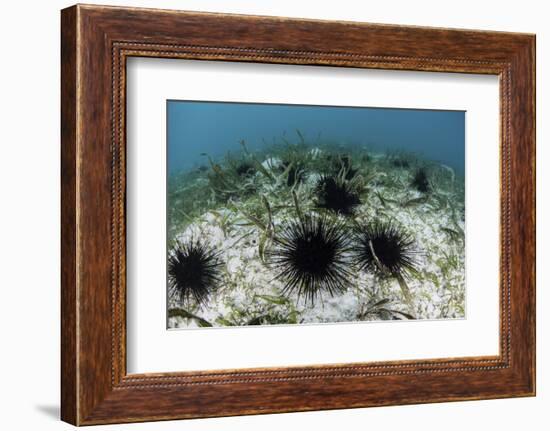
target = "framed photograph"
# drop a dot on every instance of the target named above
(324, 214)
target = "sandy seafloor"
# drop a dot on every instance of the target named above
(250, 295)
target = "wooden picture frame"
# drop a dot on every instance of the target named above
(95, 43)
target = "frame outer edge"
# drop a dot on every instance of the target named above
(530, 63)
(69, 202)
(523, 216)
(533, 53)
(532, 99)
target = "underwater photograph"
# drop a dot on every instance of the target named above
(282, 214)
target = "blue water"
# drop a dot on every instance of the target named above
(216, 128)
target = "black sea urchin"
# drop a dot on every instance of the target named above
(420, 181)
(193, 272)
(336, 195)
(245, 169)
(385, 249)
(311, 256)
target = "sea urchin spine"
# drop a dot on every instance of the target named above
(311, 257)
(193, 272)
(336, 195)
(385, 249)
